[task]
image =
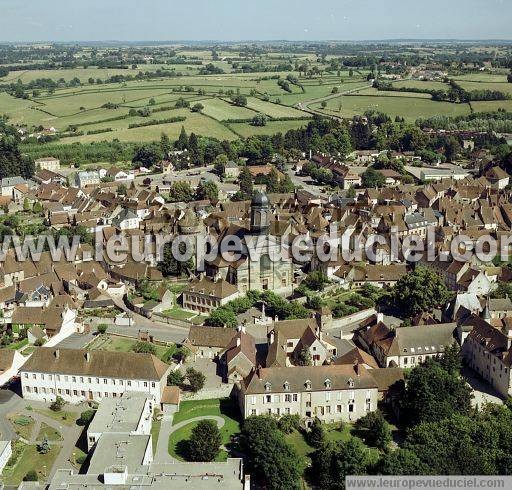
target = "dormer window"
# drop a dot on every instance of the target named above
(327, 383)
(286, 386)
(307, 384)
(268, 386)
(350, 382)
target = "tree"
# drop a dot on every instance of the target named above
(86, 417)
(171, 266)
(44, 446)
(332, 463)
(316, 434)
(165, 145)
(204, 443)
(219, 164)
(197, 107)
(272, 460)
(351, 192)
(147, 155)
(196, 379)
(31, 475)
(288, 423)
(26, 205)
(315, 281)
(259, 120)
(37, 208)
(323, 104)
(245, 181)
(418, 291)
(239, 100)
(175, 378)
(144, 348)
(401, 462)
(432, 394)
(122, 190)
(57, 405)
(372, 179)
(182, 142)
(181, 192)
(377, 431)
(451, 360)
(207, 190)
(222, 317)
(102, 328)
(303, 357)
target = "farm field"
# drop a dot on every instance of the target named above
(221, 110)
(482, 77)
(491, 105)
(504, 87)
(273, 110)
(384, 93)
(425, 85)
(272, 127)
(410, 108)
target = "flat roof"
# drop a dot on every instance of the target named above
(121, 415)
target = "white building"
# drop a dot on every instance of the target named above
(87, 178)
(331, 393)
(130, 414)
(10, 361)
(48, 163)
(5, 454)
(78, 375)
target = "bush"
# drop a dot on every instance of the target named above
(31, 476)
(144, 348)
(205, 441)
(377, 431)
(288, 423)
(57, 405)
(316, 434)
(102, 328)
(175, 378)
(85, 417)
(196, 379)
(81, 459)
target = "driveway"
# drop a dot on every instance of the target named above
(482, 391)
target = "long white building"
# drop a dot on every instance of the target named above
(78, 375)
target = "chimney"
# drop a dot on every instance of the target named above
(57, 353)
(238, 341)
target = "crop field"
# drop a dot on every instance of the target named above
(221, 110)
(273, 110)
(491, 105)
(504, 87)
(384, 93)
(425, 85)
(272, 127)
(482, 77)
(410, 108)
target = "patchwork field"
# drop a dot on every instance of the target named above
(272, 127)
(410, 108)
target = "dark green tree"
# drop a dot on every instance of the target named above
(204, 443)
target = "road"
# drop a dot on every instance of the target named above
(305, 106)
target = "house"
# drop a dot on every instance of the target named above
(205, 295)
(488, 350)
(5, 454)
(208, 342)
(7, 185)
(10, 361)
(48, 163)
(290, 341)
(405, 347)
(391, 177)
(498, 177)
(78, 375)
(130, 414)
(239, 358)
(126, 219)
(331, 393)
(118, 175)
(86, 178)
(232, 170)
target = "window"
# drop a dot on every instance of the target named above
(307, 384)
(288, 398)
(286, 386)
(268, 386)
(268, 398)
(327, 383)
(253, 411)
(253, 400)
(287, 411)
(339, 408)
(105, 381)
(152, 384)
(295, 397)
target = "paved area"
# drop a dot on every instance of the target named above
(482, 391)
(162, 454)
(10, 402)
(209, 368)
(76, 341)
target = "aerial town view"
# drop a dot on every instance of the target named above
(258, 245)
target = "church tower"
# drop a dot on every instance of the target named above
(260, 214)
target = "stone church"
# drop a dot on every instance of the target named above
(261, 263)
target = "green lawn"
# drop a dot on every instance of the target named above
(225, 408)
(332, 433)
(64, 417)
(178, 314)
(155, 432)
(30, 459)
(22, 424)
(114, 343)
(49, 432)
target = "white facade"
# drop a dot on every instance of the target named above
(78, 388)
(5, 454)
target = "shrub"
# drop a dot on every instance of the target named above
(102, 328)
(196, 379)
(288, 423)
(85, 417)
(81, 459)
(175, 378)
(144, 348)
(57, 405)
(31, 476)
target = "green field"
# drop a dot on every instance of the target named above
(272, 127)
(504, 87)
(410, 108)
(424, 85)
(491, 105)
(274, 110)
(221, 110)
(385, 93)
